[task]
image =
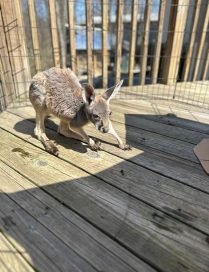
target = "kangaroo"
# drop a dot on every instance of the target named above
(57, 91)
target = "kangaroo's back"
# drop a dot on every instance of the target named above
(58, 90)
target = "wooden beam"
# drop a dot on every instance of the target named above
(119, 39)
(201, 44)
(73, 59)
(178, 17)
(54, 34)
(133, 41)
(89, 41)
(145, 41)
(104, 43)
(191, 43)
(156, 60)
(34, 32)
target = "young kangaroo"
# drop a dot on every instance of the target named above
(57, 91)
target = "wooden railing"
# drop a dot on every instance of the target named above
(172, 59)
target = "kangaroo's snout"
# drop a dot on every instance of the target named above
(104, 129)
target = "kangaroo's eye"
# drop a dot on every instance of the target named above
(110, 113)
(96, 116)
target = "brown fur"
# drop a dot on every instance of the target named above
(59, 92)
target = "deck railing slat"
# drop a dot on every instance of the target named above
(104, 43)
(201, 45)
(133, 41)
(177, 24)
(119, 39)
(72, 36)
(89, 41)
(144, 53)
(34, 32)
(191, 43)
(54, 34)
(156, 58)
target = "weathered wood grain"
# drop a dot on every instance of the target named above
(134, 173)
(11, 259)
(85, 240)
(81, 193)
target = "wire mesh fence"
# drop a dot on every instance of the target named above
(159, 48)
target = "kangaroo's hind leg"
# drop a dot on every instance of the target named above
(41, 135)
(37, 98)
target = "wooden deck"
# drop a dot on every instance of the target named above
(141, 210)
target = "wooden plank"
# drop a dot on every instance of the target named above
(34, 32)
(89, 41)
(105, 43)
(201, 44)
(54, 33)
(156, 58)
(133, 41)
(142, 224)
(144, 54)
(10, 258)
(73, 58)
(119, 39)
(178, 17)
(87, 242)
(187, 63)
(40, 247)
(138, 137)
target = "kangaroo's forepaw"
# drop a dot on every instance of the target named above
(95, 145)
(125, 147)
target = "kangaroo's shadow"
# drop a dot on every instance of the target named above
(68, 143)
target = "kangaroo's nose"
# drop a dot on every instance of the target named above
(104, 130)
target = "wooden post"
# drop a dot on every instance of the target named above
(54, 34)
(201, 44)
(175, 38)
(191, 44)
(89, 41)
(119, 39)
(145, 41)
(104, 43)
(72, 36)
(34, 32)
(156, 60)
(133, 41)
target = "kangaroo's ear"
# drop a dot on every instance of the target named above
(88, 93)
(112, 92)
